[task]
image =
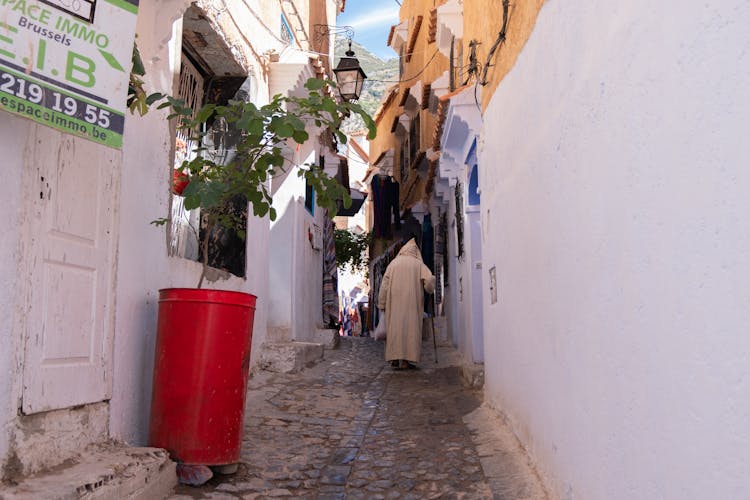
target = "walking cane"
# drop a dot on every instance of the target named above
(432, 317)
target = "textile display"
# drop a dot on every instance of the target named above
(377, 270)
(346, 324)
(441, 258)
(330, 274)
(428, 255)
(428, 243)
(385, 195)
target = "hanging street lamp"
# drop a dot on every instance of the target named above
(349, 76)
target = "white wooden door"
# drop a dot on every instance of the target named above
(71, 186)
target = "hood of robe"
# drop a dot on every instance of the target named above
(410, 249)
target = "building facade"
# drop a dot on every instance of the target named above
(591, 166)
(81, 264)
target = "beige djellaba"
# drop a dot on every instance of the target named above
(402, 298)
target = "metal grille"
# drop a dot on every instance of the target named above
(182, 234)
(286, 31)
(190, 89)
(459, 220)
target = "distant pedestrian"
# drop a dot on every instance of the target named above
(401, 296)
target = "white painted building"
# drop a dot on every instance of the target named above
(296, 262)
(457, 199)
(81, 265)
(614, 179)
(602, 196)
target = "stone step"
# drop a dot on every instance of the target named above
(290, 357)
(106, 472)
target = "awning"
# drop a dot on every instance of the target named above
(358, 199)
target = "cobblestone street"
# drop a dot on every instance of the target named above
(352, 427)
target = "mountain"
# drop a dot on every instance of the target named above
(381, 74)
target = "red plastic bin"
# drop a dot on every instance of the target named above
(200, 374)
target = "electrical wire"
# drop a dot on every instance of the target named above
(325, 54)
(410, 78)
(498, 42)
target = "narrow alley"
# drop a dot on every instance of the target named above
(352, 427)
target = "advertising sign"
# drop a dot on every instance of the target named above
(66, 64)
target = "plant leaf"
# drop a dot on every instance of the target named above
(314, 84)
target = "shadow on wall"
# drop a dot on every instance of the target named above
(144, 367)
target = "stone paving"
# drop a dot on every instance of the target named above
(352, 427)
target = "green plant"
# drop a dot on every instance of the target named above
(352, 249)
(265, 134)
(138, 99)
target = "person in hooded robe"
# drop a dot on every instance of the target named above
(401, 298)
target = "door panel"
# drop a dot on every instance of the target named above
(69, 324)
(477, 322)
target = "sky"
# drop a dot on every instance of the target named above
(372, 21)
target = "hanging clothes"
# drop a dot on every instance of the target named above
(441, 258)
(428, 256)
(330, 274)
(441, 248)
(346, 325)
(377, 270)
(385, 197)
(428, 243)
(354, 320)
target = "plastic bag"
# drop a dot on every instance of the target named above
(380, 333)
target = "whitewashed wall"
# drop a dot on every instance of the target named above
(296, 269)
(459, 295)
(144, 266)
(452, 304)
(615, 180)
(13, 131)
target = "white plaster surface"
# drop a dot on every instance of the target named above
(12, 130)
(296, 269)
(615, 206)
(280, 293)
(44, 440)
(143, 265)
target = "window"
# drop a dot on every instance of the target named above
(471, 161)
(309, 197)
(474, 198)
(414, 139)
(426, 96)
(432, 31)
(182, 240)
(459, 220)
(287, 35)
(310, 190)
(413, 38)
(226, 247)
